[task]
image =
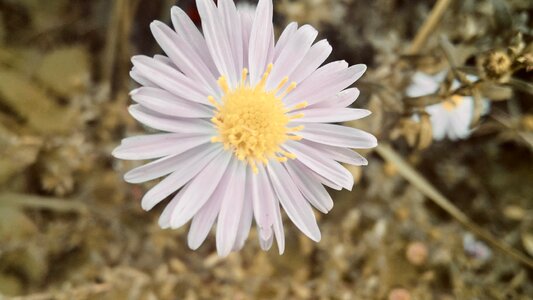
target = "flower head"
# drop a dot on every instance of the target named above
(452, 117)
(244, 125)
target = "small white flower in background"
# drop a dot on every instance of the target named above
(244, 118)
(451, 118)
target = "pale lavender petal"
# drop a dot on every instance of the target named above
(422, 85)
(247, 20)
(330, 115)
(205, 218)
(284, 38)
(291, 55)
(339, 154)
(296, 207)
(316, 56)
(166, 103)
(266, 244)
(339, 136)
(263, 201)
(186, 169)
(231, 208)
(269, 193)
(340, 100)
(310, 187)
(164, 219)
(199, 190)
(162, 122)
(232, 25)
(171, 79)
(316, 161)
(246, 218)
(140, 79)
(317, 176)
(217, 41)
(164, 166)
(158, 145)
(261, 43)
(184, 56)
(324, 83)
(190, 33)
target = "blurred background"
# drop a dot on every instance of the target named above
(426, 220)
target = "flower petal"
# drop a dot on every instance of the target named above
(339, 154)
(326, 167)
(330, 115)
(340, 100)
(291, 55)
(193, 161)
(310, 187)
(284, 38)
(232, 26)
(316, 56)
(190, 33)
(246, 217)
(231, 208)
(184, 56)
(298, 210)
(326, 81)
(162, 122)
(269, 195)
(261, 43)
(199, 190)
(158, 145)
(166, 103)
(170, 79)
(166, 165)
(217, 40)
(339, 136)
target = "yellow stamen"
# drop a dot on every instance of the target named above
(300, 105)
(295, 138)
(297, 116)
(453, 102)
(252, 122)
(291, 87)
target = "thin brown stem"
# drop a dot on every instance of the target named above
(429, 26)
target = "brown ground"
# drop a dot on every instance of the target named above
(70, 228)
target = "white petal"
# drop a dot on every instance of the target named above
(316, 56)
(339, 136)
(166, 165)
(171, 79)
(422, 85)
(291, 55)
(232, 25)
(339, 100)
(230, 213)
(217, 40)
(330, 115)
(298, 210)
(140, 79)
(193, 163)
(164, 219)
(184, 56)
(326, 167)
(339, 154)
(284, 38)
(310, 187)
(317, 176)
(199, 190)
(162, 122)
(166, 103)
(261, 43)
(165, 60)
(266, 244)
(263, 201)
(158, 145)
(246, 217)
(205, 218)
(325, 82)
(247, 20)
(269, 194)
(188, 31)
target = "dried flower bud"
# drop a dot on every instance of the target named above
(497, 65)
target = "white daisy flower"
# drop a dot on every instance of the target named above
(244, 121)
(451, 118)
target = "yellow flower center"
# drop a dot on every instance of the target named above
(252, 122)
(453, 102)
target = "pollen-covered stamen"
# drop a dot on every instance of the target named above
(252, 122)
(453, 102)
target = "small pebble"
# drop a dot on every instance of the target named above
(417, 253)
(399, 294)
